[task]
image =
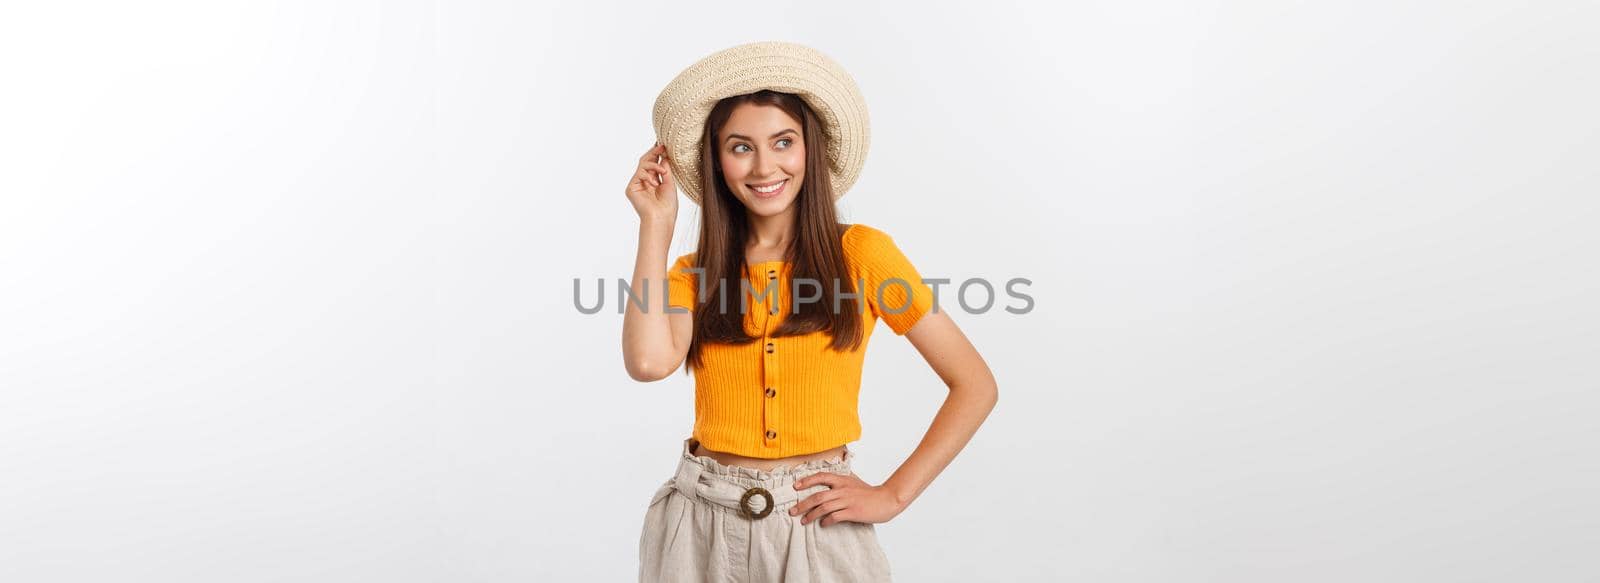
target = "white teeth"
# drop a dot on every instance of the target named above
(770, 189)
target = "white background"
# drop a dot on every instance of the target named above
(286, 288)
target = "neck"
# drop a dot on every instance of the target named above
(771, 234)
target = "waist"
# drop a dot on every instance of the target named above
(764, 464)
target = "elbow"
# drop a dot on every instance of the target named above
(647, 371)
(986, 392)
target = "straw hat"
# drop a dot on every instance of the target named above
(681, 109)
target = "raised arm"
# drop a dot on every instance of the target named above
(654, 342)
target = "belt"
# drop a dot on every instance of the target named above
(693, 482)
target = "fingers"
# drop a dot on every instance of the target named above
(827, 504)
(652, 174)
(657, 173)
(642, 176)
(656, 150)
(643, 182)
(822, 510)
(827, 478)
(840, 516)
(654, 165)
(810, 502)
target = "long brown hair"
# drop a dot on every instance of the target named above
(815, 253)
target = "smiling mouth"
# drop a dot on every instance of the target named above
(770, 189)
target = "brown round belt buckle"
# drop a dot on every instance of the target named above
(744, 503)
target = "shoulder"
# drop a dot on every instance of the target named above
(873, 249)
(683, 261)
(868, 244)
(862, 237)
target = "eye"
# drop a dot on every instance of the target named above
(786, 140)
(737, 146)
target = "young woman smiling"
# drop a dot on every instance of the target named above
(772, 314)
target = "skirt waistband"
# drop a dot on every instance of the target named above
(747, 489)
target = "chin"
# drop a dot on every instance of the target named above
(768, 208)
(773, 208)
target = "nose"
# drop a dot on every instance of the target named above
(766, 164)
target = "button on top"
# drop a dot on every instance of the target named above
(771, 392)
(769, 348)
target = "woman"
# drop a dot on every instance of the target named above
(773, 312)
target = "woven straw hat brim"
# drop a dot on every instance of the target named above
(681, 109)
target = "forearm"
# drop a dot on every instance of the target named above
(964, 410)
(647, 332)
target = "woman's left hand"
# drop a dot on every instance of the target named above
(847, 499)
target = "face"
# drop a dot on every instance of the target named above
(763, 157)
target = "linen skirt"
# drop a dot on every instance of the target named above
(695, 530)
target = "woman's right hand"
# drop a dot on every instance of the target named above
(652, 190)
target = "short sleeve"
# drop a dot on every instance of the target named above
(681, 283)
(894, 289)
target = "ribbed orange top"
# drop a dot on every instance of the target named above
(792, 395)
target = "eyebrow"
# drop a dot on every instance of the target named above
(733, 136)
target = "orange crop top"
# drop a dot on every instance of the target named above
(792, 395)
